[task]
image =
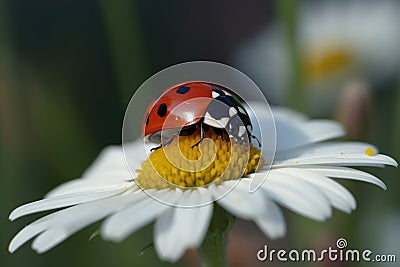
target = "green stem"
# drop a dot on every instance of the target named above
(213, 250)
(287, 12)
(125, 38)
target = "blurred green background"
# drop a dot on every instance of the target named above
(69, 68)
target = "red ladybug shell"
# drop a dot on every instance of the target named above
(157, 114)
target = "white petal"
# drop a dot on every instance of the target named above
(27, 233)
(111, 160)
(65, 222)
(163, 230)
(271, 222)
(289, 115)
(299, 134)
(126, 221)
(108, 169)
(347, 173)
(239, 201)
(340, 159)
(85, 185)
(192, 223)
(321, 130)
(297, 195)
(49, 239)
(339, 197)
(182, 228)
(324, 149)
(255, 206)
(63, 201)
(293, 130)
(196, 197)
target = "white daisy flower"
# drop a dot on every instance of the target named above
(302, 178)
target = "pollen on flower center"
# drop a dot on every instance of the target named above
(225, 160)
(370, 151)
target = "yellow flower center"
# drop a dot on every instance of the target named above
(325, 63)
(184, 164)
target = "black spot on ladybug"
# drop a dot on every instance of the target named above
(162, 110)
(183, 90)
(147, 118)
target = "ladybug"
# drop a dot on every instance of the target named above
(184, 108)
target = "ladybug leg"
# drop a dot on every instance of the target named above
(169, 141)
(155, 148)
(201, 136)
(255, 137)
(223, 138)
